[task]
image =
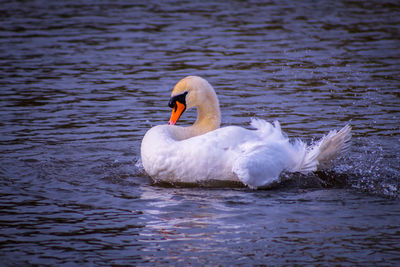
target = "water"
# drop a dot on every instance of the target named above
(82, 82)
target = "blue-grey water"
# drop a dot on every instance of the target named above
(82, 81)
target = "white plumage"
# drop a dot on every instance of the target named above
(253, 157)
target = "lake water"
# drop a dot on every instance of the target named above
(81, 83)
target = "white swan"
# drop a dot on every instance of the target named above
(204, 152)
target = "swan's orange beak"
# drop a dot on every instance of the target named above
(176, 112)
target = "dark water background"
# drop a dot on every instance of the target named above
(82, 81)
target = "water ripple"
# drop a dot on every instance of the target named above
(82, 82)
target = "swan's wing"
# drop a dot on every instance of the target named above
(204, 157)
(210, 156)
(261, 162)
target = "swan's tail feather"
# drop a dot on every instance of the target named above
(309, 162)
(328, 148)
(332, 145)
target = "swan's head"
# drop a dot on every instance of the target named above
(191, 91)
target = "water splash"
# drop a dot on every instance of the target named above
(370, 169)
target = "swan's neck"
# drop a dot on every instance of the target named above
(208, 118)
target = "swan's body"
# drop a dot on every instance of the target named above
(204, 152)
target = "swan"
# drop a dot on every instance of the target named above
(205, 152)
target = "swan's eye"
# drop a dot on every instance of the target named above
(180, 98)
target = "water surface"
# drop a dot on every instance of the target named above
(81, 83)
